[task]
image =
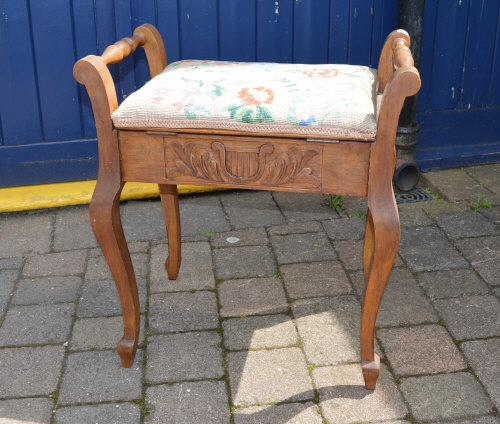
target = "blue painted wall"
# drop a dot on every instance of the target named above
(46, 125)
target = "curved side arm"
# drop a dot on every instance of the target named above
(154, 47)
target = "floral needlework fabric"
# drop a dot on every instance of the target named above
(308, 100)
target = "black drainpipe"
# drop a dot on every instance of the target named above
(406, 174)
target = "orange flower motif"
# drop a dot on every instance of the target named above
(256, 96)
(321, 72)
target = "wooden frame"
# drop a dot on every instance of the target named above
(244, 160)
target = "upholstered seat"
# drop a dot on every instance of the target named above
(335, 101)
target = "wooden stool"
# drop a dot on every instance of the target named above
(242, 125)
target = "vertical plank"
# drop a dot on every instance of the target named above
(385, 20)
(449, 45)
(339, 31)
(237, 30)
(494, 89)
(85, 44)
(199, 29)
(275, 30)
(168, 25)
(19, 107)
(482, 25)
(141, 13)
(360, 37)
(311, 31)
(55, 56)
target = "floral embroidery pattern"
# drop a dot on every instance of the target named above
(224, 94)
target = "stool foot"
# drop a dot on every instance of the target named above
(126, 349)
(170, 204)
(172, 269)
(371, 371)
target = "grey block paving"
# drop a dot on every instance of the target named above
(484, 357)
(186, 356)
(203, 402)
(265, 376)
(344, 399)
(182, 311)
(247, 261)
(37, 324)
(259, 332)
(29, 410)
(445, 396)
(262, 325)
(30, 371)
(98, 376)
(472, 317)
(302, 248)
(114, 413)
(252, 296)
(46, 290)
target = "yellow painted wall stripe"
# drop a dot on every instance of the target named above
(42, 196)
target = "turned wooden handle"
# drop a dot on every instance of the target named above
(401, 55)
(123, 48)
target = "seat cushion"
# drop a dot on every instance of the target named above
(334, 101)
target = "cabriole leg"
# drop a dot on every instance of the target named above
(170, 204)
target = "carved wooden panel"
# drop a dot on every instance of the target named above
(243, 161)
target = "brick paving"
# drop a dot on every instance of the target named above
(262, 325)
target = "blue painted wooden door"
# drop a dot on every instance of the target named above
(46, 130)
(459, 103)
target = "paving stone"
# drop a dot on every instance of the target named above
(345, 228)
(251, 209)
(445, 396)
(100, 333)
(7, 281)
(265, 376)
(455, 184)
(259, 332)
(465, 224)
(452, 283)
(315, 279)
(143, 220)
(427, 249)
(489, 175)
(98, 376)
(26, 411)
(72, 229)
(246, 261)
(350, 253)
(196, 271)
(472, 317)
(484, 357)
(329, 329)
(97, 268)
(101, 298)
(38, 324)
(302, 248)
(493, 214)
(344, 399)
(290, 413)
(183, 311)
(186, 356)
(250, 237)
(403, 302)
(497, 292)
(46, 290)
(438, 207)
(295, 228)
(425, 349)
(30, 371)
(251, 296)
(61, 264)
(202, 213)
(484, 255)
(11, 263)
(304, 206)
(25, 234)
(352, 205)
(479, 420)
(413, 216)
(203, 402)
(115, 413)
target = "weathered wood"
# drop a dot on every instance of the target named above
(245, 160)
